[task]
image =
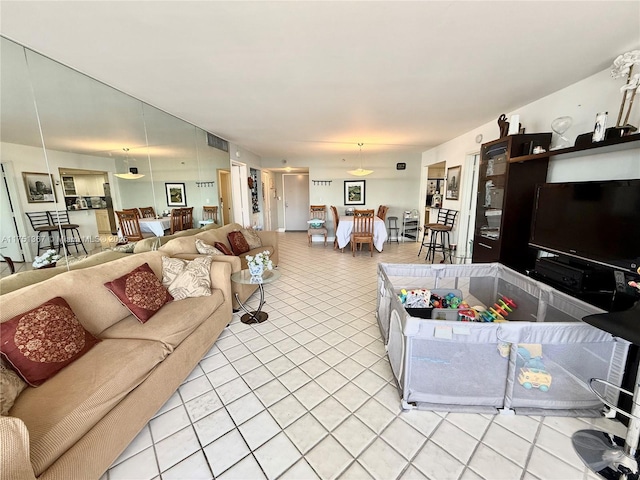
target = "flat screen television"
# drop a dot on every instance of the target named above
(595, 221)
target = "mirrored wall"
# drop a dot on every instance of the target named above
(65, 136)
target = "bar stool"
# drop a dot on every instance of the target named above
(60, 219)
(439, 239)
(41, 224)
(393, 228)
(608, 455)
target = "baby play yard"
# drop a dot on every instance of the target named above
(484, 338)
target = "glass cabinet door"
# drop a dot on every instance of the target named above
(491, 185)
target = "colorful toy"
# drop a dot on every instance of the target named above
(497, 313)
(533, 373)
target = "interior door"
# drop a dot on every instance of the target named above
(10, 244)
(296, 201)
(224, 181)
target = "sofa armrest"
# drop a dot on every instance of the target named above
(235, 262)
(14, 449)
(221, 279)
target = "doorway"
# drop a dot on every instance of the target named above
(224, 181)
(296, 201)
(240, 194)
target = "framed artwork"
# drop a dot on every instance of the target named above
(600, 127)
(453, 183)
(176, 195)
(354, 191)
(39, 187)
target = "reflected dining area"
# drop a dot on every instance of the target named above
(363, 226)
(137, 223)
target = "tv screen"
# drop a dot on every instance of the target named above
(594, 221)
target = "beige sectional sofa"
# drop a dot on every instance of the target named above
(185, 247)
(78, 422)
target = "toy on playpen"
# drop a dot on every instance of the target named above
(533, 373)
(497, 313)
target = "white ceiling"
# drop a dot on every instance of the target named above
(309, 79)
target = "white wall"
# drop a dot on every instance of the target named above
(581, 101)
(398, 189)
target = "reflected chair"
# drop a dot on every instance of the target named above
(147, 212)
(187, 218)
(132, 210)
(336, 220)
(41, 224)
(210, 213)
(60, 219)
(394, 230)
(318, 212)
(439, 235)
(176, 220)
(362, 230)
(129, 225)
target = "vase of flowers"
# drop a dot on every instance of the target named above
(623, 68)
(259, 263)
(46, 260)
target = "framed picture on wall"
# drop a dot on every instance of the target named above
(354, 191)
(176, 195)
(39, 187)
(453, 183)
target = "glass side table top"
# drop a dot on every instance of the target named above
(244, 277)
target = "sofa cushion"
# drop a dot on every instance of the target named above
(206, 249)
(171, 325)
(140, 291)
(238, 243)
(63, 409)
(42, 341)
(184, 278)
(252, 238)
(223, 248)
(10, 387)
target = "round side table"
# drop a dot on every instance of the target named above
(244, 277)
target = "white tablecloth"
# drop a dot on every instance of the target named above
(345, 226)
(155, 226)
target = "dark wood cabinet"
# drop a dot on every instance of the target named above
(506, 190)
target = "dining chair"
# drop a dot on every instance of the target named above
(362, 230)
(317, 212)
(176, 220)
(210, 213)
(129, 225)
(382, 212)
(60, 219)
(147, 212)
(187, 218)
(41, 224)
(336, 220)
(132, 210)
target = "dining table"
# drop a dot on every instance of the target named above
(345, 226)
(157, 226)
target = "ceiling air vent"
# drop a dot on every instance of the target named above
(217, 142)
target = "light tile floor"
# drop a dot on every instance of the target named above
(309, 394)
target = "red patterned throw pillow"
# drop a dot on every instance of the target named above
(41, 342)
(141, 292)
(238, 243)
(223, 248)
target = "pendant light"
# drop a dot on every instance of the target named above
(133, 171)
(360, 172)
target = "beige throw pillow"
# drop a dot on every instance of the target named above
(206, 249)
(185, 278)
(10, 387)
(252, 238)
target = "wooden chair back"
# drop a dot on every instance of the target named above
(147, 212)
(210, 213)
(129, 225)
(132, 210)
(382, 212)
(336, 220)
(176, 220)
(362, 230)
(318, 212)
(187, 218)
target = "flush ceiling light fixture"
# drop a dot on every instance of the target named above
(133, 171)
(360, 172)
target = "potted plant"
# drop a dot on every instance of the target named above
(259, 263)
(46, 260)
